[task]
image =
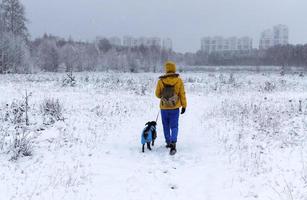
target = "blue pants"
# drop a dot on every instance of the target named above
(170, 120)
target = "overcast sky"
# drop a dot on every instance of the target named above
(185, 21)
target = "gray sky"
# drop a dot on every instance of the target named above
(185, 21)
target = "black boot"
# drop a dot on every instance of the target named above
(173, 150)
(168, 145)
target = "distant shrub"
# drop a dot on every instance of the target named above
(231, 79)
(69, 80)
(51, 109)
(222, 79)
(87, 78)
(269, 86)
(143, 90)
(191, 80)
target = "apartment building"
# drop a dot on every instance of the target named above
(129, 41)
(278, 35)
(221, 44)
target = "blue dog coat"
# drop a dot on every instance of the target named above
(149, 137)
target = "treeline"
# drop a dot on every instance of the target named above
(54, 54)
(51, 53)
(20, 54)
(283, 55)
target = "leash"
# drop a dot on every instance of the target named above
(157, 116)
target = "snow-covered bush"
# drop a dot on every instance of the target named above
(87, 78)
(51, 109)
(69, 80)
(269, 86)
(14, 133)
(222, 79)
(191, 80)
(15, 112)
(21, 144)
(231, 79)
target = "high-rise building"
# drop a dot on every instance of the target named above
(245, 44)
(129, 41)
(266, 39)
(281, 34)
(219, 44)
(278, 35)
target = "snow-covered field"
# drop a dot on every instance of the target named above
(243, 137)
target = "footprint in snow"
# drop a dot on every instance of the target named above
(173, 187)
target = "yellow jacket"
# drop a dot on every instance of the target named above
(172, 79)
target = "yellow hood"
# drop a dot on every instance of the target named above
(170, 78)
(170, 67)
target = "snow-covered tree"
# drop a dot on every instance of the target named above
(14, 20)
(14, 52)
(48, 56)
(104, 45)
(1, 41)
(1, 20)
(89, 57)
(70, 56)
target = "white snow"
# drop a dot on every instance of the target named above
(241, 138)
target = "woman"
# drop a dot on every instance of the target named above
(170, 90)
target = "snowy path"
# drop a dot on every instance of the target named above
(196, 172)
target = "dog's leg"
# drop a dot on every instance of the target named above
(154, 135)
(148, 146)
(143, 148)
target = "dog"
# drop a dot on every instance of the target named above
(149, 135)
